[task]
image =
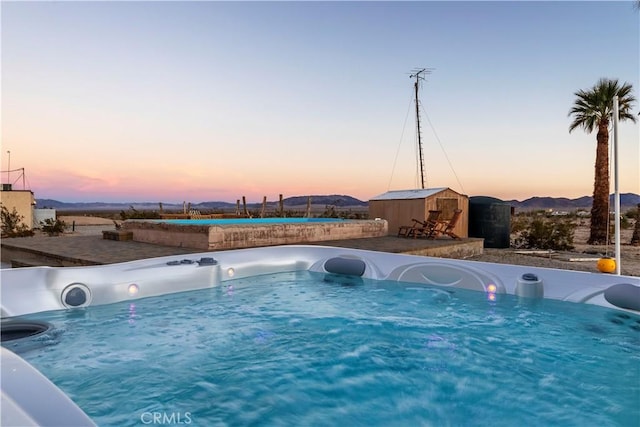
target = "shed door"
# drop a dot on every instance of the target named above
(447, 206)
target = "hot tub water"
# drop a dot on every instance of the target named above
(304, 348)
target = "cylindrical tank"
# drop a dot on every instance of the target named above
(490, 219)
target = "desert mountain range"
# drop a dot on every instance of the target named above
(627, 201)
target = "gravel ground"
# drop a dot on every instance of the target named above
(582, 258)
(629, 259)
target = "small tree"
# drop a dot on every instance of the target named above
(12, 223)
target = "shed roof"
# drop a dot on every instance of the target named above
(421, 193)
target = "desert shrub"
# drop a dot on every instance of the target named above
(633, 213)
(52, 227)
(625, 223)
(12, 225)
(355, 215)
(329, 212)
(635, 237)
(519, 223)
(133, 213)
(555, 234)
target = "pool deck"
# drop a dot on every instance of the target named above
(77, 249)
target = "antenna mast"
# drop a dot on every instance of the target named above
(417, 74)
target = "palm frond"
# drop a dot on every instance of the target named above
(594, 107)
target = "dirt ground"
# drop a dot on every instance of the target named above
(85, 220)
(583, 258)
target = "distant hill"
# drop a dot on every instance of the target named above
(289, 202)
(332, 200)
(627, 201)
(94, 206)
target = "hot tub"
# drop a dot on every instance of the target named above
(302, 335)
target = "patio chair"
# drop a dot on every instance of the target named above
(195, 214)
(420, 228)
(446, 227)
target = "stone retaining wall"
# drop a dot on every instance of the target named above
(236, 236)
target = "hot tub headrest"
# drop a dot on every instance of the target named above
(346, 266)
(624, 295)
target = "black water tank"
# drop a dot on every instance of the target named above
(490, 218)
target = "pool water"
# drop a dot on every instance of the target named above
(308, 349)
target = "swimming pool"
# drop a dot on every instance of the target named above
(220, 234)
(343, 336)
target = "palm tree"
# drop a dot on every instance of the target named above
(593, 109)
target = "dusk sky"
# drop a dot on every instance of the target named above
(213, 101)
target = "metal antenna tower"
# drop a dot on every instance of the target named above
(418, 74)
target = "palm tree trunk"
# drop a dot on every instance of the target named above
(600, 207)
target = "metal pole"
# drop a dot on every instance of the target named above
(615, 184)
(8, 166)
(419, 133)
(418, 76)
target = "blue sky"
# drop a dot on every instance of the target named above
(198, 101)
